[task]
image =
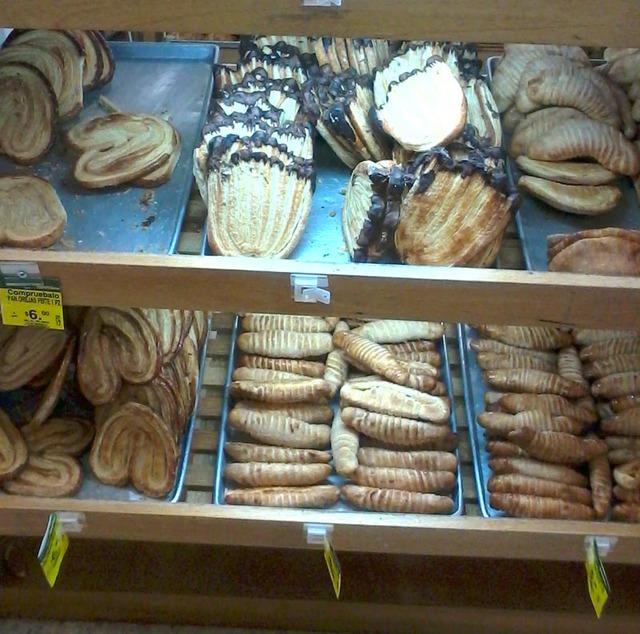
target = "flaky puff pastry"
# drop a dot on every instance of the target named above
(558, 447)
(47, 475)
(497, 347)
(13, 448)
(395, 501)
(615, 385)
(337, 366)
(540, 507)
(605, 349)
(266, 474)
(313, 497)
(61, 436)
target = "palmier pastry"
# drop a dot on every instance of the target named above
(47, 475)
(135, 445)
(28, 113)
(13, 448)
(60, 436)
(31, 214)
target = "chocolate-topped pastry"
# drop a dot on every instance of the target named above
(361, 55)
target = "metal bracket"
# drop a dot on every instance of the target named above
(321, 3)
(21, 274)
(315, 533)
(605, 544)
(71, 522)
(310, 289)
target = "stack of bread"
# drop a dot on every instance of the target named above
(545, 463)
(137, 368)
(571, 127)
(391, 437)
(281, 386)
(612, 363)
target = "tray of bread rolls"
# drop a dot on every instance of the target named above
(114, 166)
(539, 446)
(104, 409)
(572, 144)
(338, 414)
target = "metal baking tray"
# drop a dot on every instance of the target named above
(93, 489)
(172, 80)
(474, 391)
(536, 220)
(226, 432)
(322, 239)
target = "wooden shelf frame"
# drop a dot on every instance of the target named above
(583, 22)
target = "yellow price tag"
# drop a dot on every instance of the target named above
(52, 549)
(596, 578)
(333, 564)
(32, 307)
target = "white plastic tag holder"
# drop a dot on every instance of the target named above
(310, 289)
(605, 544)
(321, 3)
(71, 522)
(316, 533)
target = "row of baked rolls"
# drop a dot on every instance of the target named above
(537, 425)
(612, 364)
(396, 407)
(279, 433)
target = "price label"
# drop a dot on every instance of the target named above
(32, 307)
(597, 581)
(52, 549)
(333, 564)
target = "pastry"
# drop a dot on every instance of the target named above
(628, 475)
(567, 172)
(587, 336)
(308, 412)
(497, 361)
(313, 369)
(135, 445)
(531, 337)
(626, 512)
(625, 423)
(482, 111)
(537, 469)
(397, 331)
(421, 460)
(570, 366)
(279, 430)
(293, 497)
(297, 323)
(59, 436)
(404, 479)
(47, 475)
(526, 485)
(13, 448)
(558, 447)
(585, 200)
(616, 385)
(394, 501)
(626, 495)
(264, 376)
(602, 350)
(623, 403)
(281, 343)
(264, 474)
(491, 345)
(504, 449)
(28, 111)
(549, 403)
(534, 381)
(282, 391)
(601, 485)
(395, 430)
(31, 214)
(500, 424)
(541, 507)
(248, 452)
(344, 446)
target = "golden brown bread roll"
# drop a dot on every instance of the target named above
(284, 343)
(500, 424)
(601, 485)
(570, 366)
(308, 412)
(567, 172)
(337, 365)
(614, 385)
(610, 348)
(540, 507)
(626, 495)
(626, 512)
(407, 347)
(526, 485)
(613, 365)
(265, 376)
(296, 323)
(491, 345)
(289, 391)
(271, 474)
(497, 361)
(504, 449)
(422, 460)
(534, 381)
(399, 331)
(558, 447)
(538, 469)
(404, 479)
(550, 403)
(248, 452)
(394, 501)
(314, 369)
(625, 423)
(531, 337)
(314, 497)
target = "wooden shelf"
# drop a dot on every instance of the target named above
(583, 22)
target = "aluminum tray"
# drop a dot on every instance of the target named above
(93, 489)
(170, 79)
(226, 432)
(322, 239)
(536, 220)
(474, 391)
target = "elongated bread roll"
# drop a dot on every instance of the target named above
(344, 446)
(403, 432)
(626, 512)
(270, 474)
(282, 343)
(615, 385)
(570, 366)
(398, 401)
(337, 365)
(587, 336)
(626, 495)
(621, 456)
(398, 331)
(407, 347)
(248, 452)
(290, 391)
(558, 447)
(526, 485)
(502, 424)
(532, 337)
(504, 449)
(550, 403)
(610, 348)
(296, 323)
(618, 364)
(491, 345)
(308, 412)
(497, 361)
(626, 423)
(540, 507)
(371, 355)
(314, 497)
(404, 479)
(265, 376)
(275, 429)
(566, 172)
(422, 460)
(394, 501)
(314, 369)
(601, 485)
(420, 368)
(534, 381)
(537, 469)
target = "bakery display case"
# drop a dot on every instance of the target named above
(203, 561)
